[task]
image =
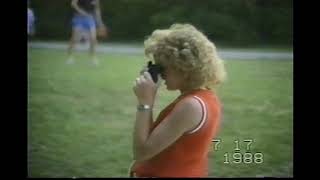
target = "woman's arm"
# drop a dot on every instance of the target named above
(183, 118)
(141, 129)
(98, 14)
(74, 4)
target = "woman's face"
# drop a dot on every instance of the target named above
(173, 79)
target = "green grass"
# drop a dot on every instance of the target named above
(80, 117)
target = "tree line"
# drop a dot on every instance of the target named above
(227, 21)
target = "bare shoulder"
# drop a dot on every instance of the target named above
(188, 112)
(190, 104)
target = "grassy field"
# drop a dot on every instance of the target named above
(80, 117)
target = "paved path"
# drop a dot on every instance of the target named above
(132, 49)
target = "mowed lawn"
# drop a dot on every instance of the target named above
(80, 117)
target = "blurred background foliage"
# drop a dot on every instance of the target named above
(232, 22)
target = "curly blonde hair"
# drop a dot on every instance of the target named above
(188, 51)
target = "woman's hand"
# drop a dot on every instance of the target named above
(102, 30)
(145, 69)
(145, 89)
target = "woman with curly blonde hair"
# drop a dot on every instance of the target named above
(178, 142)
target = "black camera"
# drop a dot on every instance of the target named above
(154, 70)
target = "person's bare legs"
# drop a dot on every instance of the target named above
(75, 36)
(28, 50)
(93, 44)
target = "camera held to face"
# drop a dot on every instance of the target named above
(154, 70)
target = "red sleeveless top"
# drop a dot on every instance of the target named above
(188, 156)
